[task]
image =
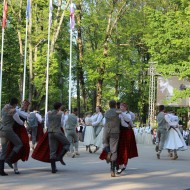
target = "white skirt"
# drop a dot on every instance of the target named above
(140, 138)
(174, 140)
(99, 139)
(148, 139)
(89, 136)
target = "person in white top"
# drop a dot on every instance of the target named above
(89, 135)
(127, 144)
(148, 135)
(33, 119)
(97, 118)
(174, 140)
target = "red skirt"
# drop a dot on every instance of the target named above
(24, 152)
(127, 147)
(40, 132)
(42, 151)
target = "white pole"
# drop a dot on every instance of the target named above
(47, 67)
(70, 67)
(1, 71)
(25, 55)
(72, 23)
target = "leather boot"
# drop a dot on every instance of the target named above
(112, 168)
(53, 166)
(9, 160)
(2, 173)
(60, 157)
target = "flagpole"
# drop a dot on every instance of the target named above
(47, 67)
(25, 54)
(1, 72)
(72, 23)
(70, 67)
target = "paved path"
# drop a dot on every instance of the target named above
(87, 172)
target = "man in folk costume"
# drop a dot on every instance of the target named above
(34, 121)
(161, 131)
(127, 144)
(54, 122)
(111, 134)
(9, 116)
(71, 123)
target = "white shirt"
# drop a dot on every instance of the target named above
(38, 116)
(148, 129)
(172, 120)
(17, 119)
(22, 113)
(126, 119)
(97, 119)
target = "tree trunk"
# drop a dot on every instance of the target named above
(20, 41)
(58, 24)
(112, 22)
(80, 61)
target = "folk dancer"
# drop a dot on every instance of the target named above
(9, 116)
(161, 131)
(54, 122)
(34, 121)
(174, 140)
(97, 118)
(127, 148)
(70, 125)
(111, 135)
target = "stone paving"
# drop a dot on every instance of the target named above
(88, 172)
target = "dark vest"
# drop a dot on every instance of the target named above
(54, 121)
(7, 117)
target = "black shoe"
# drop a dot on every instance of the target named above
(9, 160)
(90, 151)
(53, 166)
(120, 170)
(9, 163)
(2, 173)
(157, 148)
(16, 171)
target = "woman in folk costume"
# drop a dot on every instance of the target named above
(21, 131)
(89, 132)
(97, 118)
(54, 144)
(127, 144)
(140, 135)
(148, 135)
(98, 142)
(174, 140)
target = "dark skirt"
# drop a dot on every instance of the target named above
(42, 151)
(40, 132)
(127, 147)
(24, 152)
